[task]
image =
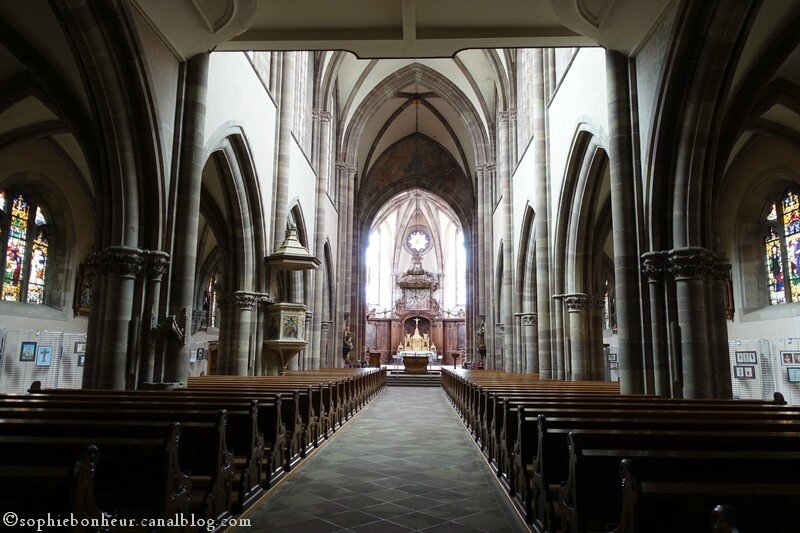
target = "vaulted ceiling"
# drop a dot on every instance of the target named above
(401, 28)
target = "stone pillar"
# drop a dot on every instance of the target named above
(653, 266)
(319, 237)
(478, 254)
(240, 308)
(94, 332)
(598, 355)
(541, 227)
(187, 214)
(531, 341)
(157, 263)
(286, 118)
(507, 302)
(722, 369)
(559, 372)
(121, 265)
(577, 308)
(623, 218)
(689, 266)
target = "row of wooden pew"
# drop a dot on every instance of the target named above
(580, 457)
(207, 451)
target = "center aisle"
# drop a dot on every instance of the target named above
(404, 463)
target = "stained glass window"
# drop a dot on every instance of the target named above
(782, 248)
(210, 302)
(26, 249)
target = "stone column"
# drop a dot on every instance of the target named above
(722, 369)
(187, 214)
(478, 253)
(121, 265)
(532, 354)
(507, 303)
(319, 237)
(577, 307)
(559, 372)
(689, 266)
(541, 227)
(598, 355)
(94, 333)
(157, 263)
(653, 266)
(623, 218)
(286, 118)
(239, 311)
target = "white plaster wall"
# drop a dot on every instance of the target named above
(303, 187)
(524, 195)
(236, 96)
(580, 100)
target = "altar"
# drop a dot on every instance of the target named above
(417, 351)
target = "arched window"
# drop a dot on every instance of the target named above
(782, 248)
(210, 302)
(24, 232)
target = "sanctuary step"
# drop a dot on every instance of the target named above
(398, 378)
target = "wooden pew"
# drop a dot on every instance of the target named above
(203, 454)
(137, 475)
(58, 478)
(649, 504)
(258, 457)
(673, 462)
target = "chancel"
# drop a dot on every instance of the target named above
(393, 265)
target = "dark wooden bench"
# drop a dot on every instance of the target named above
(649, 504)
(58, 478)
(258, 456)
(138, 474)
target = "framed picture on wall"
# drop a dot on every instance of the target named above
(744, 372)
(81, 359)
(613, 366)
(80, 347)
(192, 356)
(27, 351)
(793, 373)
(201, 352)
(612, 357)
(44, 355)
(746, 357)
(787, 358)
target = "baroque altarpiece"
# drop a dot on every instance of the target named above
(417, 307)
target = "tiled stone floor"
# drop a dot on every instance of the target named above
(405, 463)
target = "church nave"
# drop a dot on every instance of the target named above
(405, 463)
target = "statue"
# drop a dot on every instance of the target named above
(347, 343)
(481, 334)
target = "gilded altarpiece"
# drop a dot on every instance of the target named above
(385, 331)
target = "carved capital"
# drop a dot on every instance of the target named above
(490, 167)
(241, 300)
(577, 302)
(264, 298)
(325, 116)
(157, 263)
(689, 263)
(120, 261)
(598, 304)
(654, 264)
(720, 269)
(530, 319)
(504, 116)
